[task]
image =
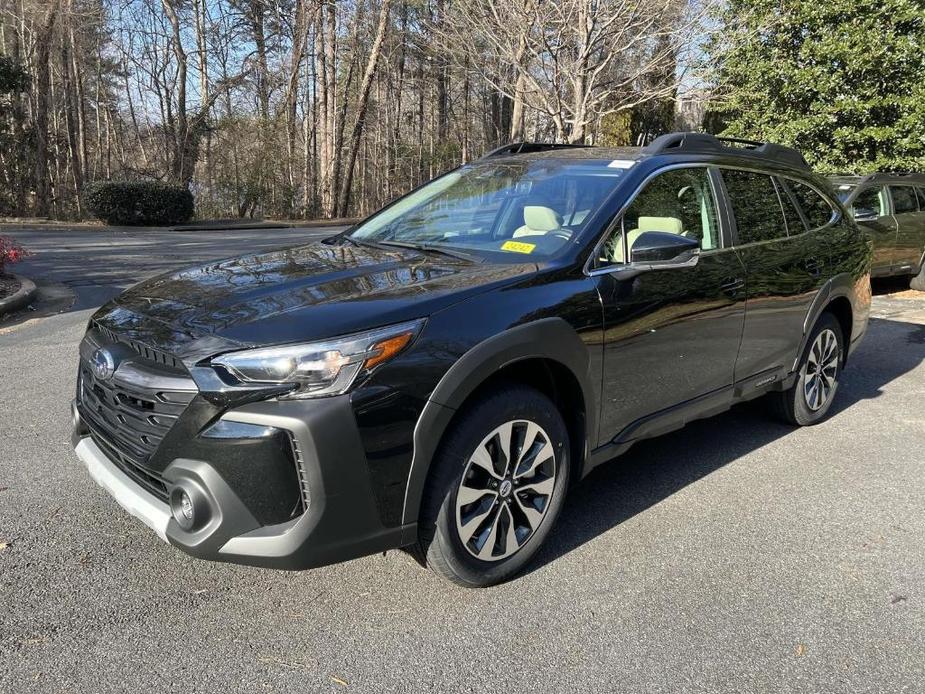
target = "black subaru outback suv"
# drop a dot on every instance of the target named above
(436, 377)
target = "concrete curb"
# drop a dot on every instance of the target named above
(22, 297)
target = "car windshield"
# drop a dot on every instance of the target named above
(498, 209)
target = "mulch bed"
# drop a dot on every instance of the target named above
(907, 294)
(8, 286)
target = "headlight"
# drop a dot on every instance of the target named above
(320, 368)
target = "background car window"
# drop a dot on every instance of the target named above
(920, 192)
(816, 208)
(870, 202)
(677, 202)
(903, 199)
(757, 209)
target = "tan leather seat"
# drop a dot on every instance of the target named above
(670, 225)
(539, 220)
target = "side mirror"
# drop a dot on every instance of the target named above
(660, 249)
(862, 214)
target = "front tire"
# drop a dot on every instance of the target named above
(496, 487)
(808, 401)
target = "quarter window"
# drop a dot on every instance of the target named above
(756, 206)
(903, 199)
(679, 201)
(816, 208)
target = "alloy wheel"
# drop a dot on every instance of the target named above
(505, 490)
(821, 370)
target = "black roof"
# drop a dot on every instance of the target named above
(673, 143)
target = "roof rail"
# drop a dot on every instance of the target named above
(705, 143)
(528, 147)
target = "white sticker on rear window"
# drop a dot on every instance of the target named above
(621, 163)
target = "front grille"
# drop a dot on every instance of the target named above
(129, 414)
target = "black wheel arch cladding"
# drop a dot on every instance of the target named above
(550, 338)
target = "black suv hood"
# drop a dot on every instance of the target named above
(292, 295)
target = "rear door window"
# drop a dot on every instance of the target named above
(756, 206)
(904, 199)
(816, 208)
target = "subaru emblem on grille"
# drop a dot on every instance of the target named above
(104, 366)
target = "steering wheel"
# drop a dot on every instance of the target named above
(562, 233)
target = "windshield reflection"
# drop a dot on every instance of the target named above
(519, 207)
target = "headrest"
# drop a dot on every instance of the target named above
(539, 218)
(672, 225)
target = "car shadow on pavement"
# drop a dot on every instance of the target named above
(654, 470)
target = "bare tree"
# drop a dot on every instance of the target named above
(362, 105)
(575, 61)
(43, 42)
(317, 107)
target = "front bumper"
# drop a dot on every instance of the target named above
(341, 521)
(144, 506)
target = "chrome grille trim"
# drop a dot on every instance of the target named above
(147, 353)
(300, 472)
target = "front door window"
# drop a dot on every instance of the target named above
(679, 201)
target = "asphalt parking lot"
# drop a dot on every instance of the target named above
(736, 555)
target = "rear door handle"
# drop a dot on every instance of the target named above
(733, 285)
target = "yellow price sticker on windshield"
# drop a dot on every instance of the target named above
(518, 246)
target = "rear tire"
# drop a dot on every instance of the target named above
(808, 401)
(496, 487)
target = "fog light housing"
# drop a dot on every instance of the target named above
(188, 507)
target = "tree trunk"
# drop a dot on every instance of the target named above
(260, 41)
(363, 105)
(43, 39)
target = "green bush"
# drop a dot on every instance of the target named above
(137, 203)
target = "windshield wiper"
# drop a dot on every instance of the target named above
(433, 248)
(345, 237)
